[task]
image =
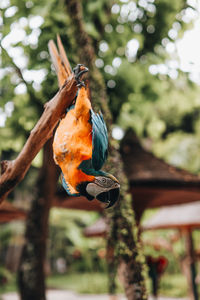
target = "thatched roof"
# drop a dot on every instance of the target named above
(99, 228)
(153, 182)
(9, 213)
(176, 216)
(142, 166)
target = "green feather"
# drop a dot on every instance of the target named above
(99, 140)
(87, 168)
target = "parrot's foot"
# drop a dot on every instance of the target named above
(79, 70)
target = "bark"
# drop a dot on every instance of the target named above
(12, 172)
(31, 272)
(190, 263)
(122, 237)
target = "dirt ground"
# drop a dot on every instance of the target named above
(69, 295)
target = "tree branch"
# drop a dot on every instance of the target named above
(14, 171)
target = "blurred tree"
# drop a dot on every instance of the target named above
(31, 268)
(131, 40)
(121, 237)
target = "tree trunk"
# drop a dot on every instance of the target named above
(31, 274)
(121, 218)
(190, 263)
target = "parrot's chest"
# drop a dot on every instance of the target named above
(72, 144)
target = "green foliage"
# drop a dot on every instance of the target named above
(161, 107)
(87, 283)
(7, 281)
(173, 285)
(180, 149)
(153, 105)
(144, 23)
(68, 242)
(9, 233)
(5, 235)
(83, 283)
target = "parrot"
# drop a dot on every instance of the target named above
(80, 144)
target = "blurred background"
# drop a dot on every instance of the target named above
(148, 55)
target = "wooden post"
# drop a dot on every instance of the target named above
(191, 272)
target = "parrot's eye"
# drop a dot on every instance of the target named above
(103, 181)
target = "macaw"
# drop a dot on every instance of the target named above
(80, 143)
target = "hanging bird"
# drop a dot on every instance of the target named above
(81, 142)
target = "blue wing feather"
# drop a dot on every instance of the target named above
(66, 187)
(99, 140)
(99, 146)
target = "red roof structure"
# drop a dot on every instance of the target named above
(153, 182)
(182, 216)
(98, 229)
(8, 212)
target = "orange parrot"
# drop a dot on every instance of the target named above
(80, 143)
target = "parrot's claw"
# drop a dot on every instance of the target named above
(79, 70)
(80, 84)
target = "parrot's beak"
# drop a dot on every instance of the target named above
(109, 197)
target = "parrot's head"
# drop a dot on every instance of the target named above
(104, 187)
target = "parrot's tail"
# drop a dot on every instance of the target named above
(60, 61)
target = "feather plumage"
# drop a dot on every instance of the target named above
(81, 141)
(99, 140)
(60, 61)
